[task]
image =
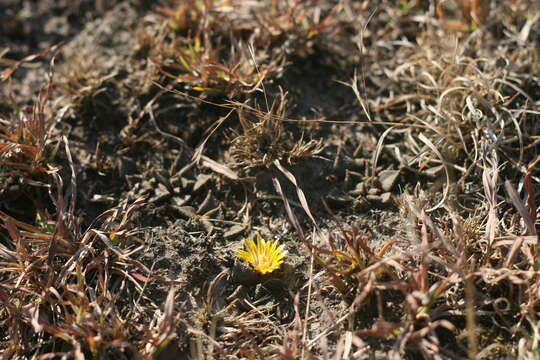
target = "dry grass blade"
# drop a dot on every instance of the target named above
(433, 148)
(6, 74)
(520, 206)
(527, 181)
(292, 218)
(200, 148)
(490, 178)
(378, 150)
(299, 192)
(219, 168)
(354, 86)
(514, 251)
(316, 234)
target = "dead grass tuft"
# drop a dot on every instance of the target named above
(264, 138)
(25, 136)
(230, 48)
(65, 288)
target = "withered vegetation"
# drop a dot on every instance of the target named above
(391, 146)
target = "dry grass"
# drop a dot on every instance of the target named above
(265, 139)
(449, 104)
(25, 134)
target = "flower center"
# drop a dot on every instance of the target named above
(263, 261)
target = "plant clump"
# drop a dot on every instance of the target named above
(265, 139)
(229, 48)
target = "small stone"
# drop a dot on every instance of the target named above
(339, 201)
(102, 199)
(235, 231)
(202, 180)
(380, 200)
(186, 183)
(373, 198)
(187, 211)
(360, 189)
(207, 225)
(386, 198)
(434, 171)
(180, 201)
(388, 179)
(161, 193)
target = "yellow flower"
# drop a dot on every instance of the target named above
(263, 256)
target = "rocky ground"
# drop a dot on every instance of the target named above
(391, 147)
